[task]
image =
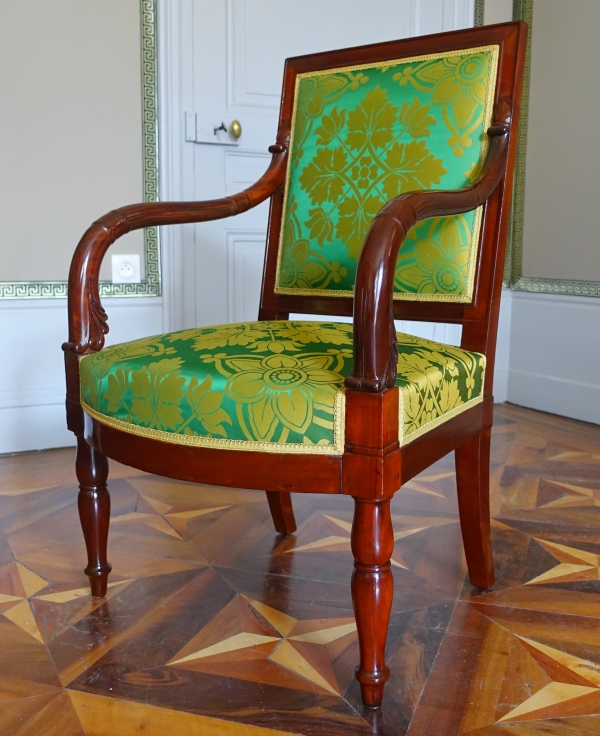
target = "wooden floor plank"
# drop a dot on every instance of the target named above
(216, 625)
(103, 716)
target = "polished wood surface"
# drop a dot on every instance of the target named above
(87, 319)
(214, 624)
(372, 542)
(93, 503)
(282, 511)
(375, 344)
(473, 484)
(373, 465)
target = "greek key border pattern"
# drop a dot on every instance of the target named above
(152, 284)
(479, 5)
(558, 286)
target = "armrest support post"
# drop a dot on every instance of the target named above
(375, 344)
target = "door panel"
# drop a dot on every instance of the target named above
(243, 168)
(245, 251)
(265, 32)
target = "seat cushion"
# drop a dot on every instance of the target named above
(266, 386)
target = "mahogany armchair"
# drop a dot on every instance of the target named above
(354, 229)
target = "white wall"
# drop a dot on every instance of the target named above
(497, 11)
(71, 128)
(560, 239)
(32, 393)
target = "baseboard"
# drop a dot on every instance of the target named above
(555, 354)
(15, 398)
(555, 395)
(500, 385)
(26, 428)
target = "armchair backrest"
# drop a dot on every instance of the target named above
(361, 135)
(364, 125)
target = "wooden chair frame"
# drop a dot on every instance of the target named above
(373, 466)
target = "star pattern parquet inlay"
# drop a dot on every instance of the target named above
(216, 626)
(247, 630)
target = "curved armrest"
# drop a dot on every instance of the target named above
(87, 318)
(375, 343)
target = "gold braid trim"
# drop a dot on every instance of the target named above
(406, 439)
(339, 430)
(337, 448)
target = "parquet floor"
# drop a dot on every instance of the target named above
(215, 626)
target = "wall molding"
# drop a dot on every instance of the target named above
(236, 284)
(478, 10)
(176, 159)
(557, 286)
(555, 395)
(13, 399)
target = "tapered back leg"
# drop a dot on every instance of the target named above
(94, 512)
(282, 511)
(473, 482)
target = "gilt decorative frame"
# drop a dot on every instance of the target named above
(151, 286)
(513, 267)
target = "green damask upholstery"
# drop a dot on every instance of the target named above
(362, 135)
(267, 386)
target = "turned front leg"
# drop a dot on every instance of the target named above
(93, 501)
(372, 592)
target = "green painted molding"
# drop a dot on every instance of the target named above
(557, 286)
(479, 6)
(522, 10)
(152, 284)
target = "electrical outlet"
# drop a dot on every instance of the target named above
(126, 269)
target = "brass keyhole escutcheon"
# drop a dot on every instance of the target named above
(235, 129)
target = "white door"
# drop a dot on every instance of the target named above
(239, 48)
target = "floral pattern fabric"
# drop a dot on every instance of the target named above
(268, 386)
(364, 135)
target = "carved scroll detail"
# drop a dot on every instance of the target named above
(98, 320)
(87, 319)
